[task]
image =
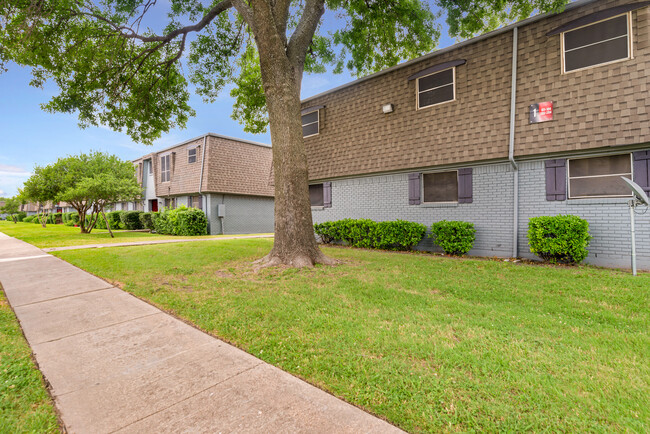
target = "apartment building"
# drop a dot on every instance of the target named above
(541, 117)
(228, 178)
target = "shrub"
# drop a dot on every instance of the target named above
(398, 235)
(71, 217)
(146, 220)
(395, 235)
(28, 219)
(181, 221)
(559, 239)
(9, 218)
(20, 216)
(114, 219)
(54, 218)
(131, 220)
(454, 237)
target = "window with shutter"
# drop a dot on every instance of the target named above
(555, 179)
(440, 187)
(599, 176)
(316, 195)
(642, 169)
(465, 186)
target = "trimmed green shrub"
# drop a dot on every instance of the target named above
(559, 239)
(181, 221)
(146, 220)
(9, 218)
(395, 235)
(454, 237)
(20, 216)
(54, 218)
(28, 219)
(70, 217)
(131, 220)
(114, 219)
(398, 235)
(69, 223)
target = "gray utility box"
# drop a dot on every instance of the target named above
(221, 210)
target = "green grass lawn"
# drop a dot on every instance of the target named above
(25, 405)
(61, 235)
(428, 343)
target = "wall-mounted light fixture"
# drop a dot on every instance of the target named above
(387, 108)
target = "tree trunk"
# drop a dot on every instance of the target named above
(108, 226)
(295, 244)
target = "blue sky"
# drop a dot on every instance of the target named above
(29, 136)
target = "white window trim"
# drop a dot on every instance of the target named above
(169, 168)
(569, 177)
(437, 203)
(311, 123)
(196, 154)
(417, 89)
(630, 36)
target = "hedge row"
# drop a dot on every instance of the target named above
(396, 235)
(20, 216)
(557, 239)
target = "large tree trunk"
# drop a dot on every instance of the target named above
(295, 244)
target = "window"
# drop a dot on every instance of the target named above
(195, 202)
(310, 124)
(191, 155)
(170, 203)
(440, 187)
(150, 167)
(165, 171)
(436, 88)
(596, 44)
(316, 194)
(599, 176)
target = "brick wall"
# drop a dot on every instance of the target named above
(385, 197)
(609, 220)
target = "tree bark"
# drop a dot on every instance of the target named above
(108, 226)
(295, 244)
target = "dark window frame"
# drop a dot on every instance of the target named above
(317, 111)
(418, 92)
(190, 155)
(610, 175)
(422, 183)
(322, 198)
(629, 36)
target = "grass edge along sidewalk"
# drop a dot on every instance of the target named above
(429, 343)
(25, 404)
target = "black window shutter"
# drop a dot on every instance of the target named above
(642, 169)
(327, 194)
(465, 185)
(414, 188)
(555, 179)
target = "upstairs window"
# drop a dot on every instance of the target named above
(191, 155)
(436, 88)
(440, 187)
(599, 176)
(165, 171)
(310, 124)
(597, 44)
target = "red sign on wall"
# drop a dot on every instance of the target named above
(541, 112)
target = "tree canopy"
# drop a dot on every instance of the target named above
(88, 182)
(113, 71)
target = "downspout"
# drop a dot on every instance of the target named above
(205, 138)
(511, 148)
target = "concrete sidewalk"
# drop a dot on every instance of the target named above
(145, 243)
(118, 364)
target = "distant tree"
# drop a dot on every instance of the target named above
(88, 182)
(42, 189)
(11, 206)
(113, 74)
(105, 189)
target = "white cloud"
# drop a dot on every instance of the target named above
(12, 178)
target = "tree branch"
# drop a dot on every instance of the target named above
(132, 34)
(304, 33)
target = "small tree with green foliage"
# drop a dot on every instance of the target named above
(11, 207)
(41, 188)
